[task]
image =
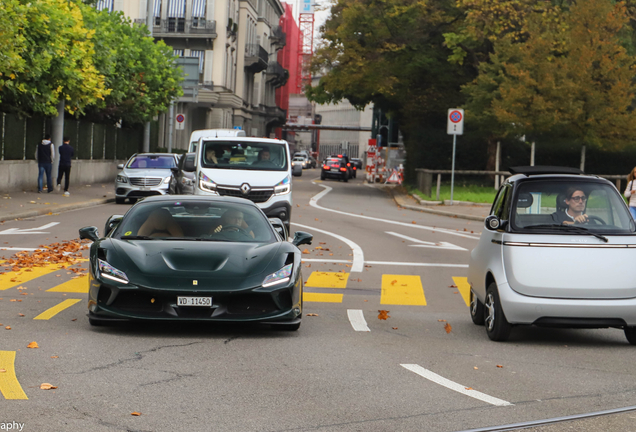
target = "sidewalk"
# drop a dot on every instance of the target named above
(24, 204)
(461, 210)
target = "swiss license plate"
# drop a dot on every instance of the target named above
(194, 301)
(334, 169)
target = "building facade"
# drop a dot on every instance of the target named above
(236, 44)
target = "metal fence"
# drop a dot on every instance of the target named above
(332, 149)
(19, 138)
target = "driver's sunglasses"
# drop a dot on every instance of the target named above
(578, 198)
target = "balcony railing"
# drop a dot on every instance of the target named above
(195, 26)
(277, 74)
(256, 58)
(278, 36)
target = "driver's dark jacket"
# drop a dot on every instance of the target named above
(559, 217)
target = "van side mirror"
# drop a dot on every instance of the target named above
(188, 165)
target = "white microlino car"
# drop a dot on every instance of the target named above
(559, 250)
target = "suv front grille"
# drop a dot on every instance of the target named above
(145, 181)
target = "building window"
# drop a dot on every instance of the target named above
(106, 5)
(178, 52)
(201, 56)
(176, 16)
(198, 13)
(157, 12)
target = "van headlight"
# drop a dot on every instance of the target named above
(280, 276)
(109, 272)
(206, 184)
(284, 187)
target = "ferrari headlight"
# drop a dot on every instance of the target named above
(284, 187)
(206, 184)
(280, 276)
(110, 272)
(122, 179)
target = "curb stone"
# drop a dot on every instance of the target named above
(56, 209)
(396, 198)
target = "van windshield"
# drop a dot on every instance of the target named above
(244, 155)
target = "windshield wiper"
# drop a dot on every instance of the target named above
(137, 238)
(578, 229)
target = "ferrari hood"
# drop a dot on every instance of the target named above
(193, 265)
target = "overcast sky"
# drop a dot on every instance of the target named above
(320, 16)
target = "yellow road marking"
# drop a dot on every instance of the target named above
(49, 313)
(23, 276)
(323, 298)
(9, 385)
(402, 290)
(463, 287)
(327, 280)
(79, 285)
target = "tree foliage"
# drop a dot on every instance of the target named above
(571, 77)
(142, 75)
(56, 58)
(388, 52)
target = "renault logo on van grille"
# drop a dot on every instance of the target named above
(245, 188)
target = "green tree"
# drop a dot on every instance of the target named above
(142, 75)
(574, 79)
(56, 58)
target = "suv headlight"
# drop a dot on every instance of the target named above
(109, 272)
(206, 184)
(284, 187)
(167, 180)
(122, 179)
(280, 276)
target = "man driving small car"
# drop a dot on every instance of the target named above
(576, 201)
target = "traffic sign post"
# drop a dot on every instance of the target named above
(180, 119)
(454, 127)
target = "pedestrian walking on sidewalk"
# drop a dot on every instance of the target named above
(64, 169)
(630, 192)
(44, 155)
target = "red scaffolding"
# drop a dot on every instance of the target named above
(305, 48)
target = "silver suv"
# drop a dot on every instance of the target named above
(555, 253)
(145, 174)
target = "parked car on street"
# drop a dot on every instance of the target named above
(195, 258)
(555, 252)
(144, 174)
(334, 167)
(182, 181)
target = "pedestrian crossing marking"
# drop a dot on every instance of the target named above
(463, 287)
(322, 298)
(12, 279)
(51, 312)
(327, 280)
(79, 285)
(9, 384)
(402, 290)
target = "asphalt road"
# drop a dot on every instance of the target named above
(425, 367)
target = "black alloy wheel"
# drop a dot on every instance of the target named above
(476, 309)
(497, 326)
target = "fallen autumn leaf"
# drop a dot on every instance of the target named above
(33, 345)
(384, 314)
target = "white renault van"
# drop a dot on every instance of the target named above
(196, 135)
(258, 169)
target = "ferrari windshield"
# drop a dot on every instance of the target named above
(151, 161)
(563, 205)
(260, 156)
(195, 220)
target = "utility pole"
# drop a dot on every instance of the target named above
(57, 136)
(149, 24)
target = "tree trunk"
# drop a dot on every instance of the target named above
(491, 151)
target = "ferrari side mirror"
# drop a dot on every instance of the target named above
(301, 238)
(89, 233)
